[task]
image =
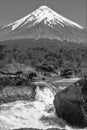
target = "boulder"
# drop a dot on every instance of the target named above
(71, 104)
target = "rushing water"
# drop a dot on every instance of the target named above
(38, 114)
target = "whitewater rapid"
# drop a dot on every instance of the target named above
(28, 114)
(38, 114)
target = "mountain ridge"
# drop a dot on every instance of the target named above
(44, 22)
(49, 16)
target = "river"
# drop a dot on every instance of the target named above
(38, 114)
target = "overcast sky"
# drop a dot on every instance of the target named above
(12, 10)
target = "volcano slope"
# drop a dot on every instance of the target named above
(44, 23)
(71, 104)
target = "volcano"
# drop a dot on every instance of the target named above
(44, 23)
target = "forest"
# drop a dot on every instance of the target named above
(59, 55)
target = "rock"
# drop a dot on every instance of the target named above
(38, 129)
(71, 104)
(16, 93)
(67, 73)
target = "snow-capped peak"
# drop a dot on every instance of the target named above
(44, 13)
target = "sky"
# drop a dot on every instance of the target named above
(12, 10)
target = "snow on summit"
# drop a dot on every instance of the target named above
(44, 23)
(43, 13)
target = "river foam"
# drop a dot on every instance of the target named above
(38, 114)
